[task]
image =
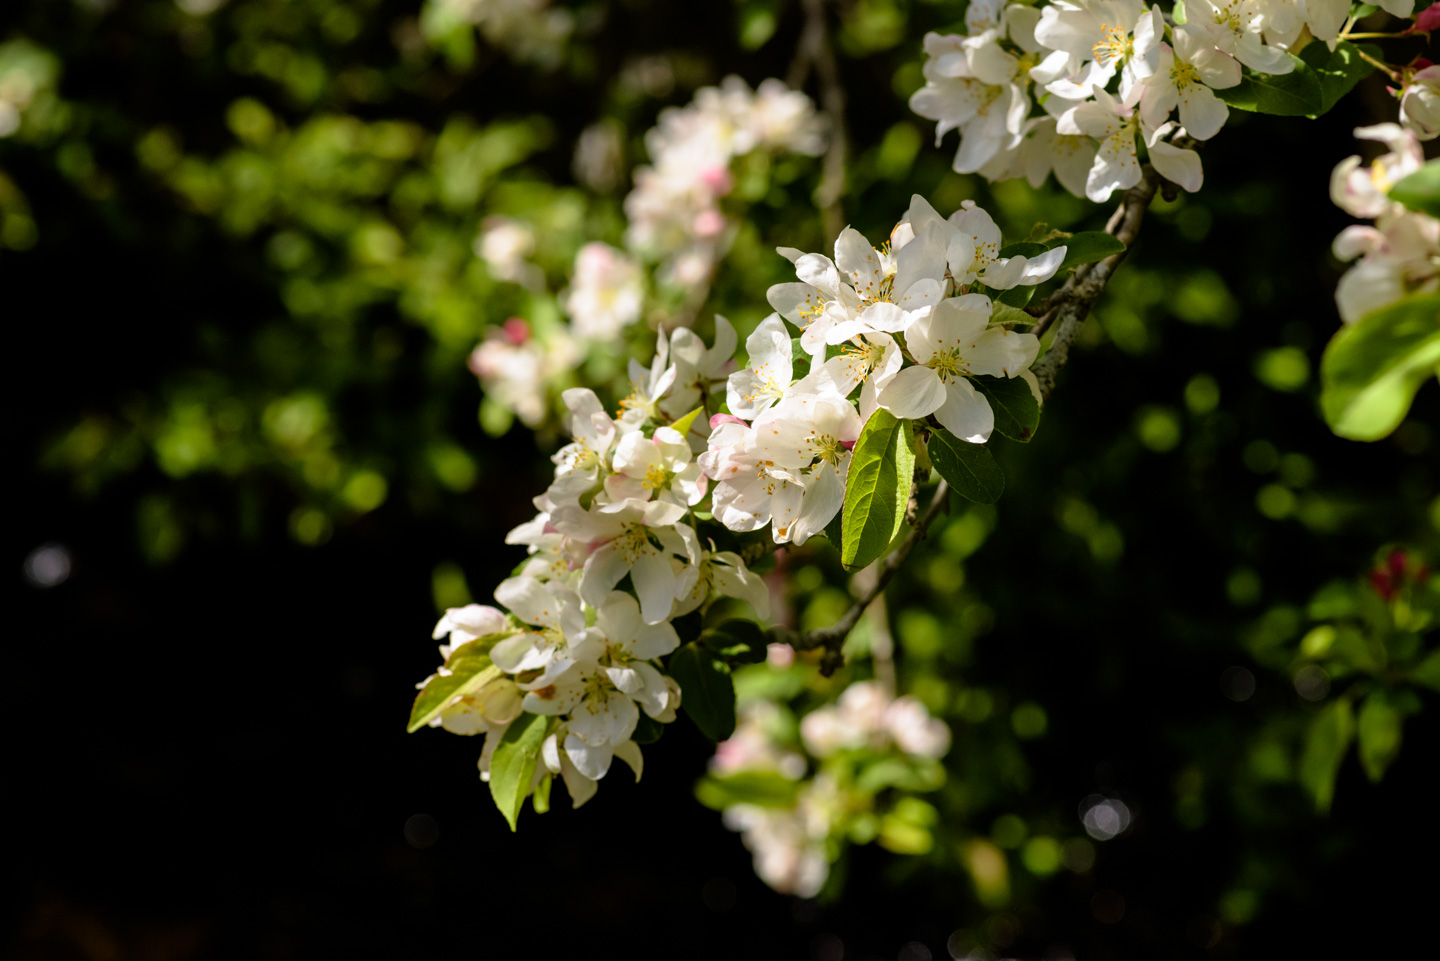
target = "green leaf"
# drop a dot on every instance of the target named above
(467, 674)
(1325, 747)
(1022, 249)
(906, 774)
(540, 800)
(1338, 71)
(1420, 190)
(1360, 11)
(1427, 672)
(512, 766)
(835, 530)
(682, 426)
(769, 789)
(877, 490)
(707, 693)
(1006, 316)
(1294, 94)
(1378, 727)
(737, 639)
(1089, 246)
(1016, 296)
(1017, 413)
(647, 730)
(968, 468)
(1372, 368)
(480, 647)
(1178, 13)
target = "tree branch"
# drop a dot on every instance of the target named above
(816, 50)
(831, 638)
(1070, 305)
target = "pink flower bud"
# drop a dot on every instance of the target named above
(708, 223)
(516, 331)
(717, 419)
(1428, 20)
(718, 179)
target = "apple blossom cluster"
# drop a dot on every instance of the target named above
(1071, 87)
(624, 542)
(1399, 254)
(621, 507)
(675, 222)
(674, 208)
(864, 731)
(900, 326)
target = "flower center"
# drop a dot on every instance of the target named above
(1114, 46)
(1183, 74)
(828, 449)
(949, 364)
(657, 478)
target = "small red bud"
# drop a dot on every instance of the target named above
(1429, 19)
(1396, 564)
(516, 331)
(1380, 582)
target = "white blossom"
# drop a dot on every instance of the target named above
(607, 292)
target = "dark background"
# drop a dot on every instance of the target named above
(207, 756)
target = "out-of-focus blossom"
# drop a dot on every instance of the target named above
(606, 292)
(505, 244)
(517, 369)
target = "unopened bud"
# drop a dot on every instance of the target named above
(500, 701)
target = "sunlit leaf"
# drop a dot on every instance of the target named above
(1372, 368)
(1294, 94)
(1420, 190)
(1325, 746)
(877, 491)
(1338, 71)
(1087, 247)
(1378, 727)
(761, 788)
(512, 767)
(467, 674)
